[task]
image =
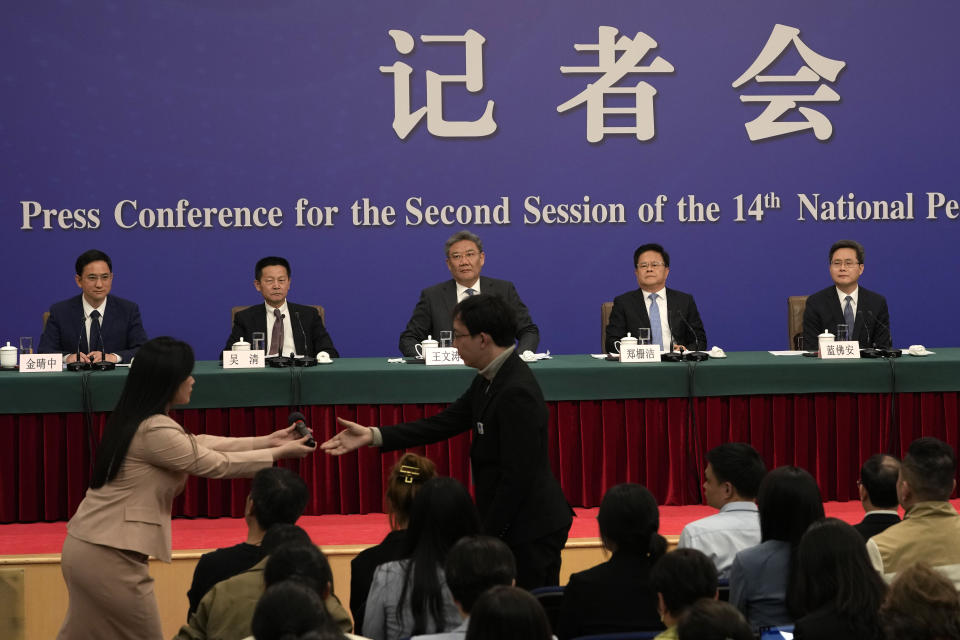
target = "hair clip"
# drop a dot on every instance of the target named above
(409, 473)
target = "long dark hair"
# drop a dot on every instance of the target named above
(789, 502)
(159, 368)
(442, 514)
(833, 569)
(629, 520)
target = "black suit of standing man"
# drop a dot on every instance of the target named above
(272, 280)
(432, 314)
(517, 495)
(679, 318)
(824, 309)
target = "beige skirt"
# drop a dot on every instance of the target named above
(111, 594)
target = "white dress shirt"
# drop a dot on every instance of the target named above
(462, 290)
(722, 535)
(288, 344)
(664, 317)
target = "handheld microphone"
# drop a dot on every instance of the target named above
(104, 364)
(307, 360)
(884, 351)
(78, 365)
(300, 426)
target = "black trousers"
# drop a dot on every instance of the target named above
(538, 561)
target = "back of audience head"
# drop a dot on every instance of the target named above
(303, 563)
(734, 472)
(406, 478)
(878, 481)
(629, 520)
(291, 610)
(281, 535)
(922, 604)
(927, 472)
(508, 613)
(476, 563)
(680, 578)
(709, 619)
(277, 495)
(833, 570)
(788, 501)
(443, 512)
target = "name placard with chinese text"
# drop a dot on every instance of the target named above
(441, 356)
(244, 359)
(41, 362)
(642, 353)
(841, 350)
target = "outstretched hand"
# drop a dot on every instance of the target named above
(351, 438)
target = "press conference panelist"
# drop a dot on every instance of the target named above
(94, 326)
(287, 327)
(670, 315)
(433, 312)
(846, 303)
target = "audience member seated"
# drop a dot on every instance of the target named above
(838, 591)
(410, 596)
(508, 613)
(406, 478)
(616, 595)
(930, 531)
(922, 604)
(292, 610)
(709, 619)
(878, 494)
(733, 474)
(474, 564)
(226, 610)
(762, 580)
(277, 495)
(680, 578)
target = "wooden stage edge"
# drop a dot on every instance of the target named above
(38, 609)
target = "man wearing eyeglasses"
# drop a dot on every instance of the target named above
(846, 303)
(670, 315)
(465, 258)
(93, 327)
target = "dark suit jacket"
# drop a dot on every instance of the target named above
(254, 318)
(823, 311)
(826, 624)
(517, 495)
(874, 523)
(362, 568)
(630, 312)
(121, 328)
(218, 565)
(610, 597)
(433, 314)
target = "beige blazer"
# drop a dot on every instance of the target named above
(132, 511)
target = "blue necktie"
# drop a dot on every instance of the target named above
(470, 292)
(848, 318)
(656, 331)
(95, 343)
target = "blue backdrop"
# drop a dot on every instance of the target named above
(252, 104)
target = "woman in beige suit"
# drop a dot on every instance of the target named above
(141, 464)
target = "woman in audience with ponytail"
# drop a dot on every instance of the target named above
(616, 595)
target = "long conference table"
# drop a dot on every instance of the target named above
(609, 423)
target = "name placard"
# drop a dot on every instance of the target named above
(842, 350)
(441, 356)
(640, 353)
(244, 359)
(41, 362)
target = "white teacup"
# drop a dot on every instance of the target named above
(241, 345)
(429, 343)
(626, 342)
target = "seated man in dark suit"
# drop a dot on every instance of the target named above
(864, 312)
(300, 329)
(878, 494)
(679, 322)
(94, 326)
(465, 258)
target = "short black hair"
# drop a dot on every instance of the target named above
(878, 477)
(93, 255)
(490, 314)
(270, 261)
(709, 619)
(508, 613)
(280, 535)
(682, 577)
(739, 464)
(278, 495)
(291, 609)
(476, 563)
(651, 246)
(847, 244)
(629, 520)
(302, 562)
(930, 467)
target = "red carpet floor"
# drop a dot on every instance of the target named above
(202, 533)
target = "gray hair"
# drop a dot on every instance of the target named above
(462, 235)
